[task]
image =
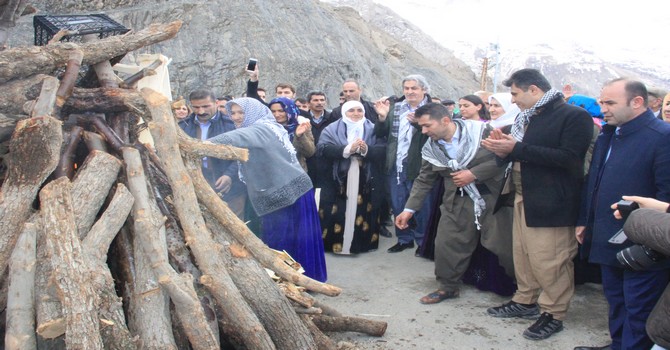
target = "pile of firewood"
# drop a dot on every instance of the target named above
(109, 243)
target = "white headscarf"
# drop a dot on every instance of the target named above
(355, 129)
(511, 109)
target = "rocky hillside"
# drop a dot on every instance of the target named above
(308, 43)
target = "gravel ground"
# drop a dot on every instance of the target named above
(387, 287)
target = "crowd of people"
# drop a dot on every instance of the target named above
(504, 191)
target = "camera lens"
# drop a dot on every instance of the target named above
(638, 257)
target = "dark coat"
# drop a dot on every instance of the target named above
(652, 228)
(317, 167)
(218, 167)
(638, 165)
(551, 156)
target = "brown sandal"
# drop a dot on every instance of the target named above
(439, 295)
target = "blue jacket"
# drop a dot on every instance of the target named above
(217, 167)
(638, 165)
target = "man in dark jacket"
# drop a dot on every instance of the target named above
(547, 145)
(317, 167)
(222, 175)
(352, 92)
(631, 157)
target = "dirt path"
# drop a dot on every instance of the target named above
(384, 286)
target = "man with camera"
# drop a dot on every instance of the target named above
(631, 156)
(650, 229)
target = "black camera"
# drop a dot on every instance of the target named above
(639, 257)
(636, 257)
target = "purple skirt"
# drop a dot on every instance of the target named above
(297, 230)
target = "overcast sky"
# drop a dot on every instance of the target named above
(610, 28)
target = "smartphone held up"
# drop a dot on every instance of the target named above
(251, 66)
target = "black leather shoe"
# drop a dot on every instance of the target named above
(383, 231)
(606, 347)
(399, 247)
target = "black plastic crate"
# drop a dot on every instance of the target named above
(47, 26)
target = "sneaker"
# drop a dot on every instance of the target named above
(514, 309)
(543, 328)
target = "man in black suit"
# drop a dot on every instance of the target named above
(351, 91)
(547, 145)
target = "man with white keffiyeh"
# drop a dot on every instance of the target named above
(547, 144)
(397, 125)
(472, 180)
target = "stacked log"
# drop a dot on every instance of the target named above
(108, 243)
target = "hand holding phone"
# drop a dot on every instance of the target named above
(251, 66)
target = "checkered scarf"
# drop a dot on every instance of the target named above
(523, 118)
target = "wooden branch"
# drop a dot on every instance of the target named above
(39, 140)
(244, 236)
(90, 187)
(110, 136)
(26, 61)
(105, 101)
(46, 102)
(20, 332)
(201, 149)
(66, 163)
(323, 341)
(97, 241)
(76, 292)
(131, 81)
(180, 287)
(69, 79)
(243, 327)
(260, 291)
(350, 324)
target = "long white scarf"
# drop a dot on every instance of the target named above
(355, 130)
(468, 145)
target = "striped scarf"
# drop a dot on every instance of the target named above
(523, 118)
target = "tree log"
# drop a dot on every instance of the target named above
(39, 140)
(241, 324)
(260, 291)
(90, 187)
(71, 274)
(17, 92)
(46, 102)
(350, 324)
(115, 333)
(180, 287)
(149, 308)
(25, 61)
(321, 339)
(20, 332)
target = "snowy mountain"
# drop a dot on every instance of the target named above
(583, 52)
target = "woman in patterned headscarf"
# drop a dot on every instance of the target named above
(279, 189)
(286, 113)
(351, 200)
